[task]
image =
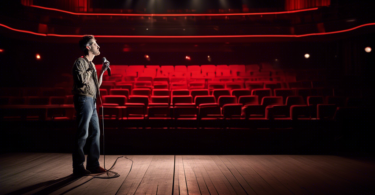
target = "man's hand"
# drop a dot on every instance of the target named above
(105, 66)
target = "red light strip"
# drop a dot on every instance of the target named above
(162, 15)
(197, 36)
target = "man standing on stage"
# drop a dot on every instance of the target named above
(85, 90)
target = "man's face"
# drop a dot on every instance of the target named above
(94, 48)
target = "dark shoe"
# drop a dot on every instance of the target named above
(97, 170)
(81, 172)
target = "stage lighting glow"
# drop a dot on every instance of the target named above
(37, 56)
(147, 57)
(368, 49)
(187, 58)
(209, 58)
(1, 50)
(146, 28)
(307, 55)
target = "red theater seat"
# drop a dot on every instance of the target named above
(57, 100)
(240, 92)
(216, 85)
(300, 112)
(237, 70)
(197, 85)
(124, 92)
(161, 85)
(283, 111)
(183, 99)
(158, 112)
(114, 100)
(254, 85)
(219, 92)
(179, 85)
(185, 111)
(304, 92)
(295, 100)
(204, 100)
(231, 111)
(166, 71)
(200, 92)
(143, 84)
(161, 79)
(284, 93)
(261, 93)
(144, 78)
(273, 85)
(248, 100)
(127, 86)
(326, 111)
(227, 99)
(141, 91)
(180, 92)
(137, 99)
(103, 92)
(159, 100)
(234, 85)
(112, 112)
(209, 112)
(161, 92)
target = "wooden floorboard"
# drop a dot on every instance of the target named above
(51, 173)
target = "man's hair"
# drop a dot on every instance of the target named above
(84, 41)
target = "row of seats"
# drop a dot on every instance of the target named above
(206, 111)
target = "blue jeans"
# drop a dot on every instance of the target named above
(88, 130)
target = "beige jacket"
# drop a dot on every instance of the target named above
(85, 78)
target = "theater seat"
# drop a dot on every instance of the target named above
(158, 112)
(219, 92)
(57, 100)
(227, 99)
(300, 112)
(240, 92)
(124, 92)
(234, 85)
(312, 102)
(200, 92)
(183, 99)
(159, 100)
(326, 111)
(254, 85)
(284, 93)
(141, 91)
(232, 111)
(161, 92)
(261, 93)
(204, 100)
(248, 100)
(114, 100)
(180, 92)
(209, 112)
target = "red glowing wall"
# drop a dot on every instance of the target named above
(303, 4)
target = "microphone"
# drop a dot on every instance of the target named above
(109, 69)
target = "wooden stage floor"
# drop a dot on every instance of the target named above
(50, 173)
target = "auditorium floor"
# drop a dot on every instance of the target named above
(50, 173)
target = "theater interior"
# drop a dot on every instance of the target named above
(204, 97)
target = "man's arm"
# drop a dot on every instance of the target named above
(104, 68)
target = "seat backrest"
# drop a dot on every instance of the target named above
(219, 92)
(231, 110)
(120, 100)
(124, 92)
(326, 111)
(300, 111)
(261, 93)
(234, 85)
(295, 100)
(272, 100)
(180, 92)
(248, 100)
(240, 92)
(204, 99)
(160, 99)
(314, 100)
(138, 99)
(57, 100)
(211, 110)
(216, 85)
(166, 79)
(182, 99)
(144, 78)
(141, 91)
(225, 99)
(161, 92)
(196, 92)
(254, 85)
(284, 93)
(273, 85)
